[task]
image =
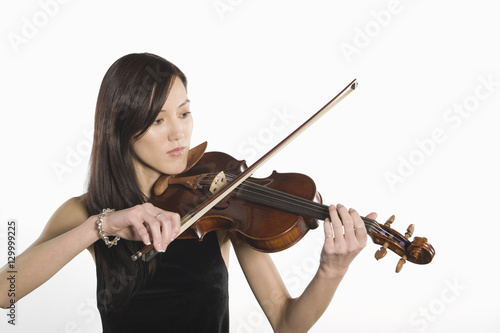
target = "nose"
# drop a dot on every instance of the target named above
(176, 130)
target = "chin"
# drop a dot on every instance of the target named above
(175, 168)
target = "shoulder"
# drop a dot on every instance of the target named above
(73, 208)
(69, 215)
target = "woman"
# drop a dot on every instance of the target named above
(143, 128)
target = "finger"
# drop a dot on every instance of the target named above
(175, 225)
(359, 226)
(157, 220)
(347, 221)
(143, 233)
(131, 219)
(168, 226)
(338, 232)
(327, 228)
(164, 230)
(154, 227)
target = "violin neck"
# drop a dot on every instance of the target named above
(289, 203)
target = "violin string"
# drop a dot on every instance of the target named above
(257, 192)
(322, 209)
(318, 207)
(272, 194)
(285, 198)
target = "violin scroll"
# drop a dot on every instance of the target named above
(418, 251)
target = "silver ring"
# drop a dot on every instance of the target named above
(158, 215)
(329, 236)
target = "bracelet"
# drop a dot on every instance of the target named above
(102, 233)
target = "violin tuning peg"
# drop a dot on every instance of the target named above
(409, 231)
(401, 262)
(390, 220)
(381, 252)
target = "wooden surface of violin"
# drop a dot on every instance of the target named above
(261, 212)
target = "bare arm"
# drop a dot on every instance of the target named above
(287, 314)
(70, 230)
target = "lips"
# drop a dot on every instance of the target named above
(177, 151)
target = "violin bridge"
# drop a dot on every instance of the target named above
(218, 183)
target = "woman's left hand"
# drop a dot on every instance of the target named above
(345, 237)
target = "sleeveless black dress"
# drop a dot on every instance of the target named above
(188, 293)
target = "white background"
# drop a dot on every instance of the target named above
(256, 70)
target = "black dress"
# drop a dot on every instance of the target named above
(188, 293)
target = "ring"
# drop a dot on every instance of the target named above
(328, 236)
(158, 215)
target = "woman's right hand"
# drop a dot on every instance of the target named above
(144, 222)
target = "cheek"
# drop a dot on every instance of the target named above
(189, 130)
(146, 148)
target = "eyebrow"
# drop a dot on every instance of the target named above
(180, 105)
(184, 103)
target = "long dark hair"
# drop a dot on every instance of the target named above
(132, 93)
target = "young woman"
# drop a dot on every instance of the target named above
(143, 128)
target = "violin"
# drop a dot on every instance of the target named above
(216, 191)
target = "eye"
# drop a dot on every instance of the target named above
(158, 121)
(184, 115)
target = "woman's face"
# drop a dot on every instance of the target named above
(163, 148)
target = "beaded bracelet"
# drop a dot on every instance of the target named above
(102, 233)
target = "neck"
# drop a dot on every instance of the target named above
(146, 178)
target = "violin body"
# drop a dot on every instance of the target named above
(266, 229)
